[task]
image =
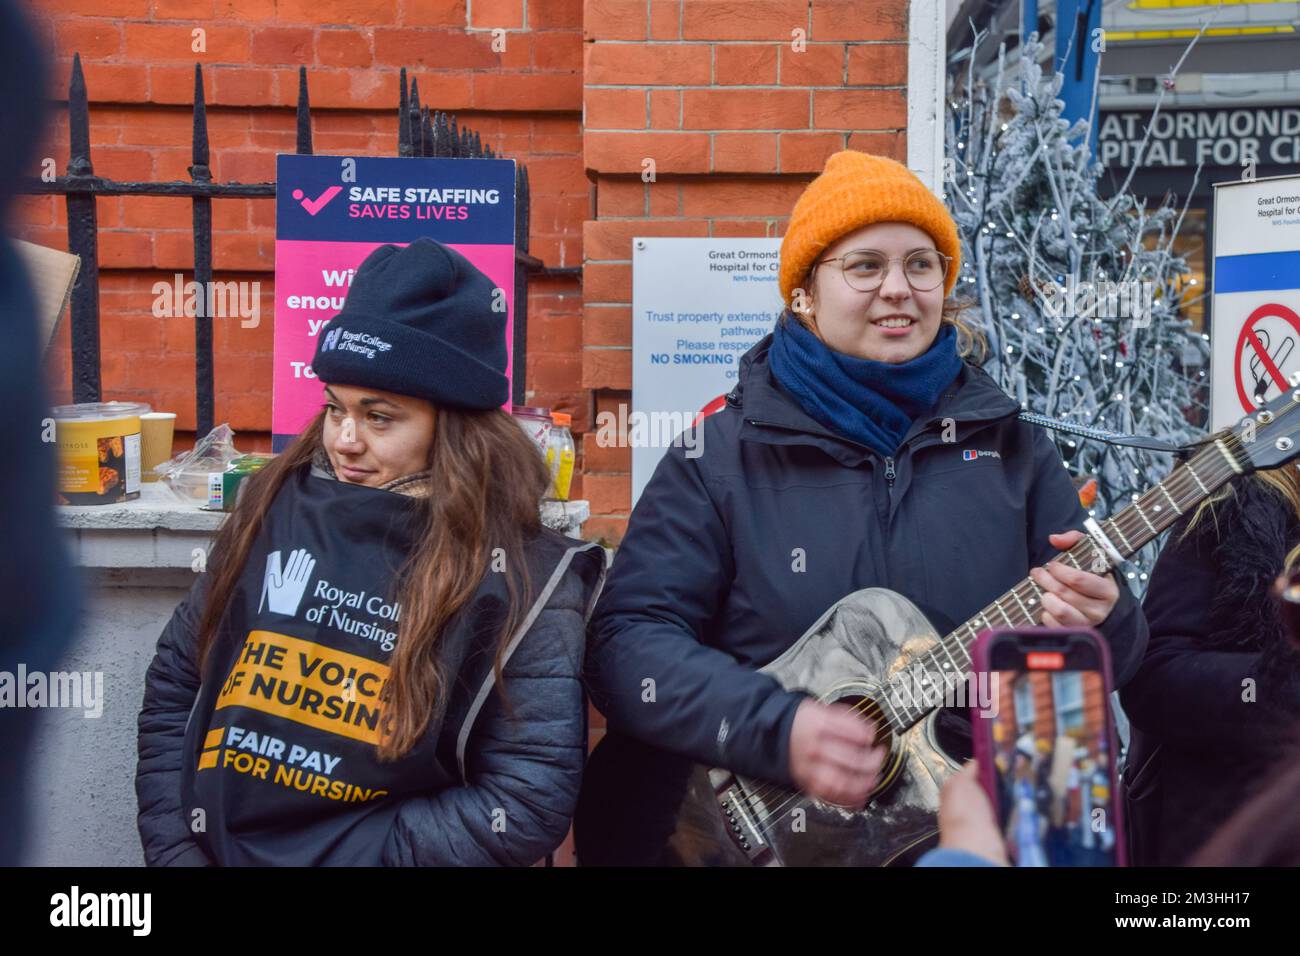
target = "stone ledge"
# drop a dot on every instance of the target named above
(158, 531)
(156, 508)
(566, 517)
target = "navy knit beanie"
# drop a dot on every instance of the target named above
(419, 321)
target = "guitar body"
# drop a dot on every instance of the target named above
(846, 656)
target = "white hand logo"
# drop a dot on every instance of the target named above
(286, 587)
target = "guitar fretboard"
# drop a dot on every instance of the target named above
(909, 694)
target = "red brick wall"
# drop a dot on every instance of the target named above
(525, 102)
(737, 122)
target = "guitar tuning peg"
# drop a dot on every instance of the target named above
(1294, 377)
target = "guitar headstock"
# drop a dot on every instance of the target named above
(1270, 437)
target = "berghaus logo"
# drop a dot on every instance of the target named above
(970, 454)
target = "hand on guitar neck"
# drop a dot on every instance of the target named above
(1073, 598)
(832, 754)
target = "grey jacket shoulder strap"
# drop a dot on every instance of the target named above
(529, 619)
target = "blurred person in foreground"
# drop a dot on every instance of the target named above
(38, 590)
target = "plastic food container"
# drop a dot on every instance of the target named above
(99, 452)
(193, 486)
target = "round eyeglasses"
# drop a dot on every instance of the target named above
(865, 269)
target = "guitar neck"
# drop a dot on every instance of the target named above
(912, 692)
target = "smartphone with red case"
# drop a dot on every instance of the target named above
(1046, 745)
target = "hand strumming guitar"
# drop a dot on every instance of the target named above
(833, 756)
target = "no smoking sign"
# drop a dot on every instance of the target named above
(1268, 350)
(1255, 312)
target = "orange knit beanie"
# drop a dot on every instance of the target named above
(854, 190)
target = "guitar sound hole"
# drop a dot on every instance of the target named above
(952, 734)
(870, 712)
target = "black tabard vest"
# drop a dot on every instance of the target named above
(280, 746)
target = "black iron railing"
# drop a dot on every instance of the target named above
(420, 132)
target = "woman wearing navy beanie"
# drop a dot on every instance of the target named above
(380, 665)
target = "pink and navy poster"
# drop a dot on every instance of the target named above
(333, 211)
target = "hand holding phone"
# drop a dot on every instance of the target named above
(1046, 750)
(966, 817)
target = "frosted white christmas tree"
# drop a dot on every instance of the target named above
(1078, 296)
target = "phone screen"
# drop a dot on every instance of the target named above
(1052, 755)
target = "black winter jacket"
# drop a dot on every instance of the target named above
(1217, 698)
(278, 754)
(707, 585)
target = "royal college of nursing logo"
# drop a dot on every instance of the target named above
(283, 587)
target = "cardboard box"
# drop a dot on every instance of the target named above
(53, 273)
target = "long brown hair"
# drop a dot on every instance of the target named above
(487, 481)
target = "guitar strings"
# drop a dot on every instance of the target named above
(1183, 479)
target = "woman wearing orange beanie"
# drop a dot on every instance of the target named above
(863, 447)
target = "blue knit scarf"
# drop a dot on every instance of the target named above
(869, 402)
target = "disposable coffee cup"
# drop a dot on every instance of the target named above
(156, 432)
